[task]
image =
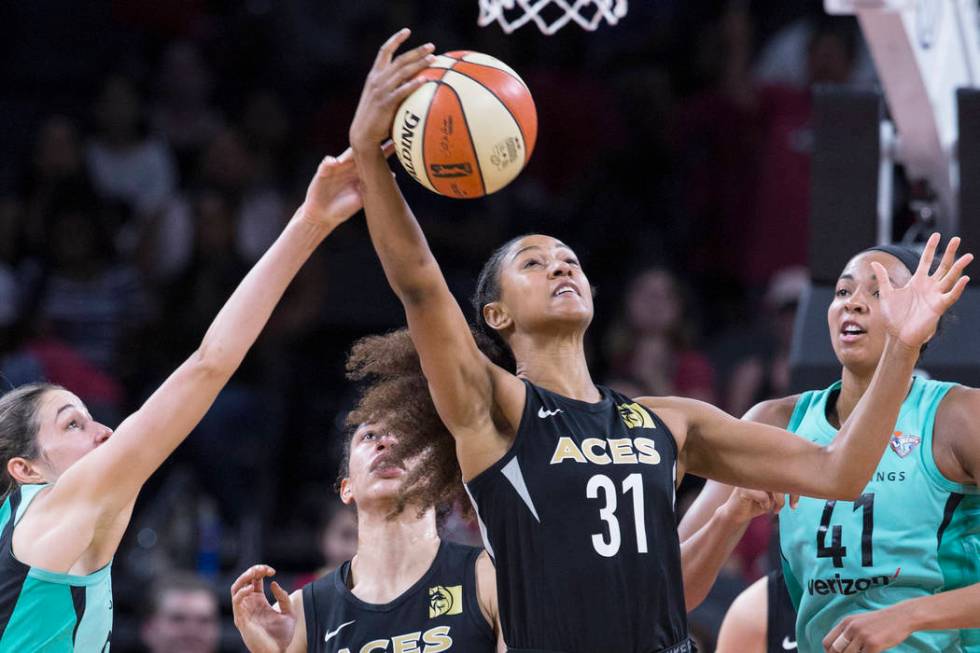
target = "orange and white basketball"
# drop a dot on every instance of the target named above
(470, 129)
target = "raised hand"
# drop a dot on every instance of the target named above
(390, 81)
(912, 311)
(264, 628)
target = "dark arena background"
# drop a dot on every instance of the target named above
(713, 163)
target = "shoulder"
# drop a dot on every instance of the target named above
(486, 587)
(956, 428)
(775, 412)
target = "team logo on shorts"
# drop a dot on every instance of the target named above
(904, 443)
(445, 600)
(636, 416)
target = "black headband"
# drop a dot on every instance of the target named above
(908, 257)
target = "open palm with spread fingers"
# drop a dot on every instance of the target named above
(264, 628)
(912, 311)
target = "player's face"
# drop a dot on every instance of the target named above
(857, 329)
(66, 432)
(187, 622)
(541, 283)
(375, 470)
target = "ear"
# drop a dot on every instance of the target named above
(24, 471)
(497, 317)
(346, 492)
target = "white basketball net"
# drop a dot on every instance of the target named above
(512, 14)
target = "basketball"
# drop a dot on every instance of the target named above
(470, 129)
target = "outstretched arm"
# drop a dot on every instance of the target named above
(463, 381)
(102, 483)
(759, 456)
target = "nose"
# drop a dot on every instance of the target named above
(386, 441)
(559, 268)
(856, 303)
(103, 434)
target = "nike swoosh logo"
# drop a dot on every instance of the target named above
(339, 628)
(787, 644)
(542, 413)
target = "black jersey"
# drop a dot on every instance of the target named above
(781, 616)
(579, 519)
(440, 612)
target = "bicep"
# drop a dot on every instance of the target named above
(753, 455)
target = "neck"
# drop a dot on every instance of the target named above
(392, 554)
(557, 364)
(853, 386)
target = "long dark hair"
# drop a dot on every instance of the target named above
(18, 428)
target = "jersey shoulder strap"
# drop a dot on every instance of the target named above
(318, 596)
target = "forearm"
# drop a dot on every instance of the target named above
(955, 609)
(856, 451)
(401, 246)
(705, 552)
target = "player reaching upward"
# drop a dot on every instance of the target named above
(574, 483)
(897, 568)
(70, 482)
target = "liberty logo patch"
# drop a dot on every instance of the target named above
(445, 600)
(904, 443)
(636, 416)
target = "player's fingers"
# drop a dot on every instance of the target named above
(399, 76)
(949, 255)
(285, 605)
(413, 55)
(955, 271)
(240, 595)
(250, 574)
(388, 147)
(928, 254)
(405, 90)
(388, 48)
(884, 283)
(794, 500)
(778, 501)
(954, 295)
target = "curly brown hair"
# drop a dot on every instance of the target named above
(397, 393)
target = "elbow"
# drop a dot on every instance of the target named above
(211, 361)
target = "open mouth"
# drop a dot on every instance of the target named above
(851, 331)
(565, 289)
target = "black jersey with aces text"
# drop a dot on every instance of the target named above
(440, 612)
(579, 519)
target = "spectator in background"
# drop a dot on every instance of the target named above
(651, 351)
(182, 616)
(230, 165)
(182, 112)
(764, 373)
(56, 161)
(125, 163)
(337, 539)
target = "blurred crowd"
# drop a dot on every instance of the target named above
(152, 151)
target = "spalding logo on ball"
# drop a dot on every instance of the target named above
(470, 129)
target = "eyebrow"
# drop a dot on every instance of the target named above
(64, 408)
(558, 243)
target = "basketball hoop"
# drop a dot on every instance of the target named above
(512, 14)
